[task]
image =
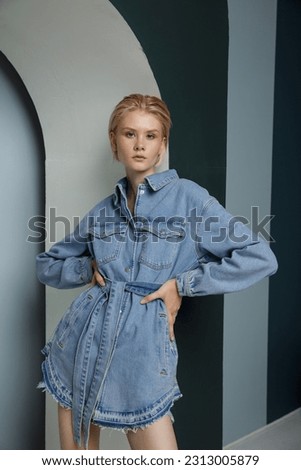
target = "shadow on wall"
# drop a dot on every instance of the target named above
(22, 319)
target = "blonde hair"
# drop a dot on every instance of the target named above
(147, 103)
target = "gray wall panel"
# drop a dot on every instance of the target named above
(252, 32)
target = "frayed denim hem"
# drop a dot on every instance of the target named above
(58, 392)
(125, 429)
(132, 421)
(113, 425)
(42, 386)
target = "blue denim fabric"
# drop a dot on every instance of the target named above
(110, 358)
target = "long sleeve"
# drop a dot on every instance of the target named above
(68, 263)
(232, 257)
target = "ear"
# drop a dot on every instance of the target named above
(113, 143)
(161, 152)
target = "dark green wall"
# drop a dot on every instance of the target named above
(284, 365)
(186, 44)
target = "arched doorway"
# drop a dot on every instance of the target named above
(22, 318)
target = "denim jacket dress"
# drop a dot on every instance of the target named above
(110, 358)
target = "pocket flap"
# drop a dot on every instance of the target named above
(107, 229)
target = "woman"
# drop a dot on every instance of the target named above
(112, 359)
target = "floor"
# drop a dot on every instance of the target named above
(282, 434)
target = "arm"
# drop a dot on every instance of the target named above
(232, 257)
(68, 263)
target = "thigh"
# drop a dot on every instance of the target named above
(158, 436)
(66, 432)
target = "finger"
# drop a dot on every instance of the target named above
(99, 279)
(173, 317)
(171, 333)
(150, 297)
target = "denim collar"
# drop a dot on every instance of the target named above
(155, 181)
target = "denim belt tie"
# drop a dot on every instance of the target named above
(84, 399)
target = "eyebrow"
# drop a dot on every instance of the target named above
(132, 129)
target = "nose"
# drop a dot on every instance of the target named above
(139, 145)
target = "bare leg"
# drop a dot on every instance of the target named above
(66, 433)
(157, 436)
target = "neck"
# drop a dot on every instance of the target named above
(133, 184)
(134, 180)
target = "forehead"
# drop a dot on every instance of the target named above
(139, 119)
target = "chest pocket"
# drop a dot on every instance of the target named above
(160, 244)
(107, 241)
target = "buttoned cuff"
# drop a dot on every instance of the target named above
(85, 269)
(183, 284)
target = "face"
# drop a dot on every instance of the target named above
(138, 143)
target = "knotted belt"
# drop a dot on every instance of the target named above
(84, 397)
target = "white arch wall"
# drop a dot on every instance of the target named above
(77, 58)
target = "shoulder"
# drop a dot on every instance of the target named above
(188, 195)
(193, 190)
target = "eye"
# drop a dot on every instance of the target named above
(151, 136)
(129, 134)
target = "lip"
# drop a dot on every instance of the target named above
(139, 157)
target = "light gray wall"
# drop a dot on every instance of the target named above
(252, 32)
(21, 296)
(78, 59)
